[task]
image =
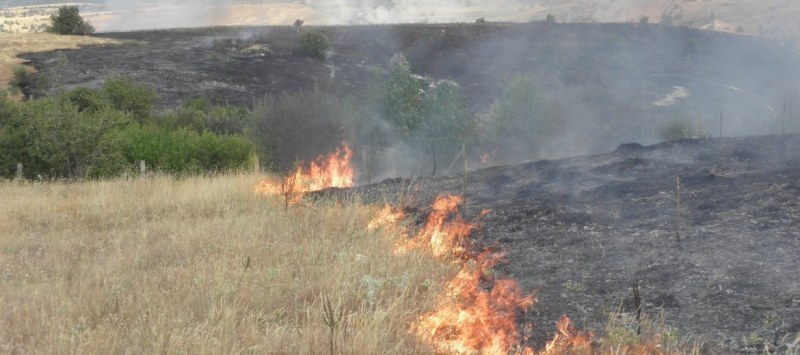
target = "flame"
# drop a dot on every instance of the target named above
(476, 313)
(322, 173)
(472, 318)
(388, 216)
(569, 340)
(442, 235)
(485, 157)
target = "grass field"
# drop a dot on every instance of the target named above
(199, 265)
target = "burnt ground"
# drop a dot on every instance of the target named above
(580, 231)
(606, 79)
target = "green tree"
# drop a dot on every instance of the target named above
(68, 21)
(315, 44)
(398, 96)
(522, 119)
(447, 120)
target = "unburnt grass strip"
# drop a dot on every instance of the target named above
(200, 265)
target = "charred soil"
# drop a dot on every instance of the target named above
(617, 82)
(722, 264)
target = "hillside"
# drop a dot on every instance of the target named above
(612, 83)
(717, 252)
(773, 18)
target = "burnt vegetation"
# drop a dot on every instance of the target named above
(706, 229)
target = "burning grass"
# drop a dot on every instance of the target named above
(201, 265)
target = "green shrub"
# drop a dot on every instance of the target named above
(522, 120)
(300, 125)
(315, 44)
(68, 21)
(184, 150)
(55, 139)
(87, 99)
(447, 122)
(124, 94)
(200, 116)
(397, 97)
(22, 81)
(10, 136)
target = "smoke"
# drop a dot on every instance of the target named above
(119, 15)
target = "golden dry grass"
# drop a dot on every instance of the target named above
(157, 266)
(14, 44)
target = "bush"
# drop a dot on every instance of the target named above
(68, 21)
(22, 81)
(124, 94)
(200, 116)
(447, 121)
(53, 138)
(397, 96)
(184, 150)
(300, 125)
(87, 99)
(10, 138)
(522, 120)
(315, 44)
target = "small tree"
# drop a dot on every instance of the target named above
(68, 21)
(315, 44)
(644, 20)
(298, 23)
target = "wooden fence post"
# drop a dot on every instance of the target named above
(142, 169)
(20, 174)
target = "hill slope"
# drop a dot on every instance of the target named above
(581, 231)
(774, 18)
(614, 83)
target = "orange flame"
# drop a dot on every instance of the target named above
(485, 157)
(387, 217)
(472, 319)
(322, 173)
(476, 313)
(442, 235)
(569, 340)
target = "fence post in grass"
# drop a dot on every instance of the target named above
(19, 174)
(142, 169)
(256, 165)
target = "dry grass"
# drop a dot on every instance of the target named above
(158, 266)
(14, 44)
